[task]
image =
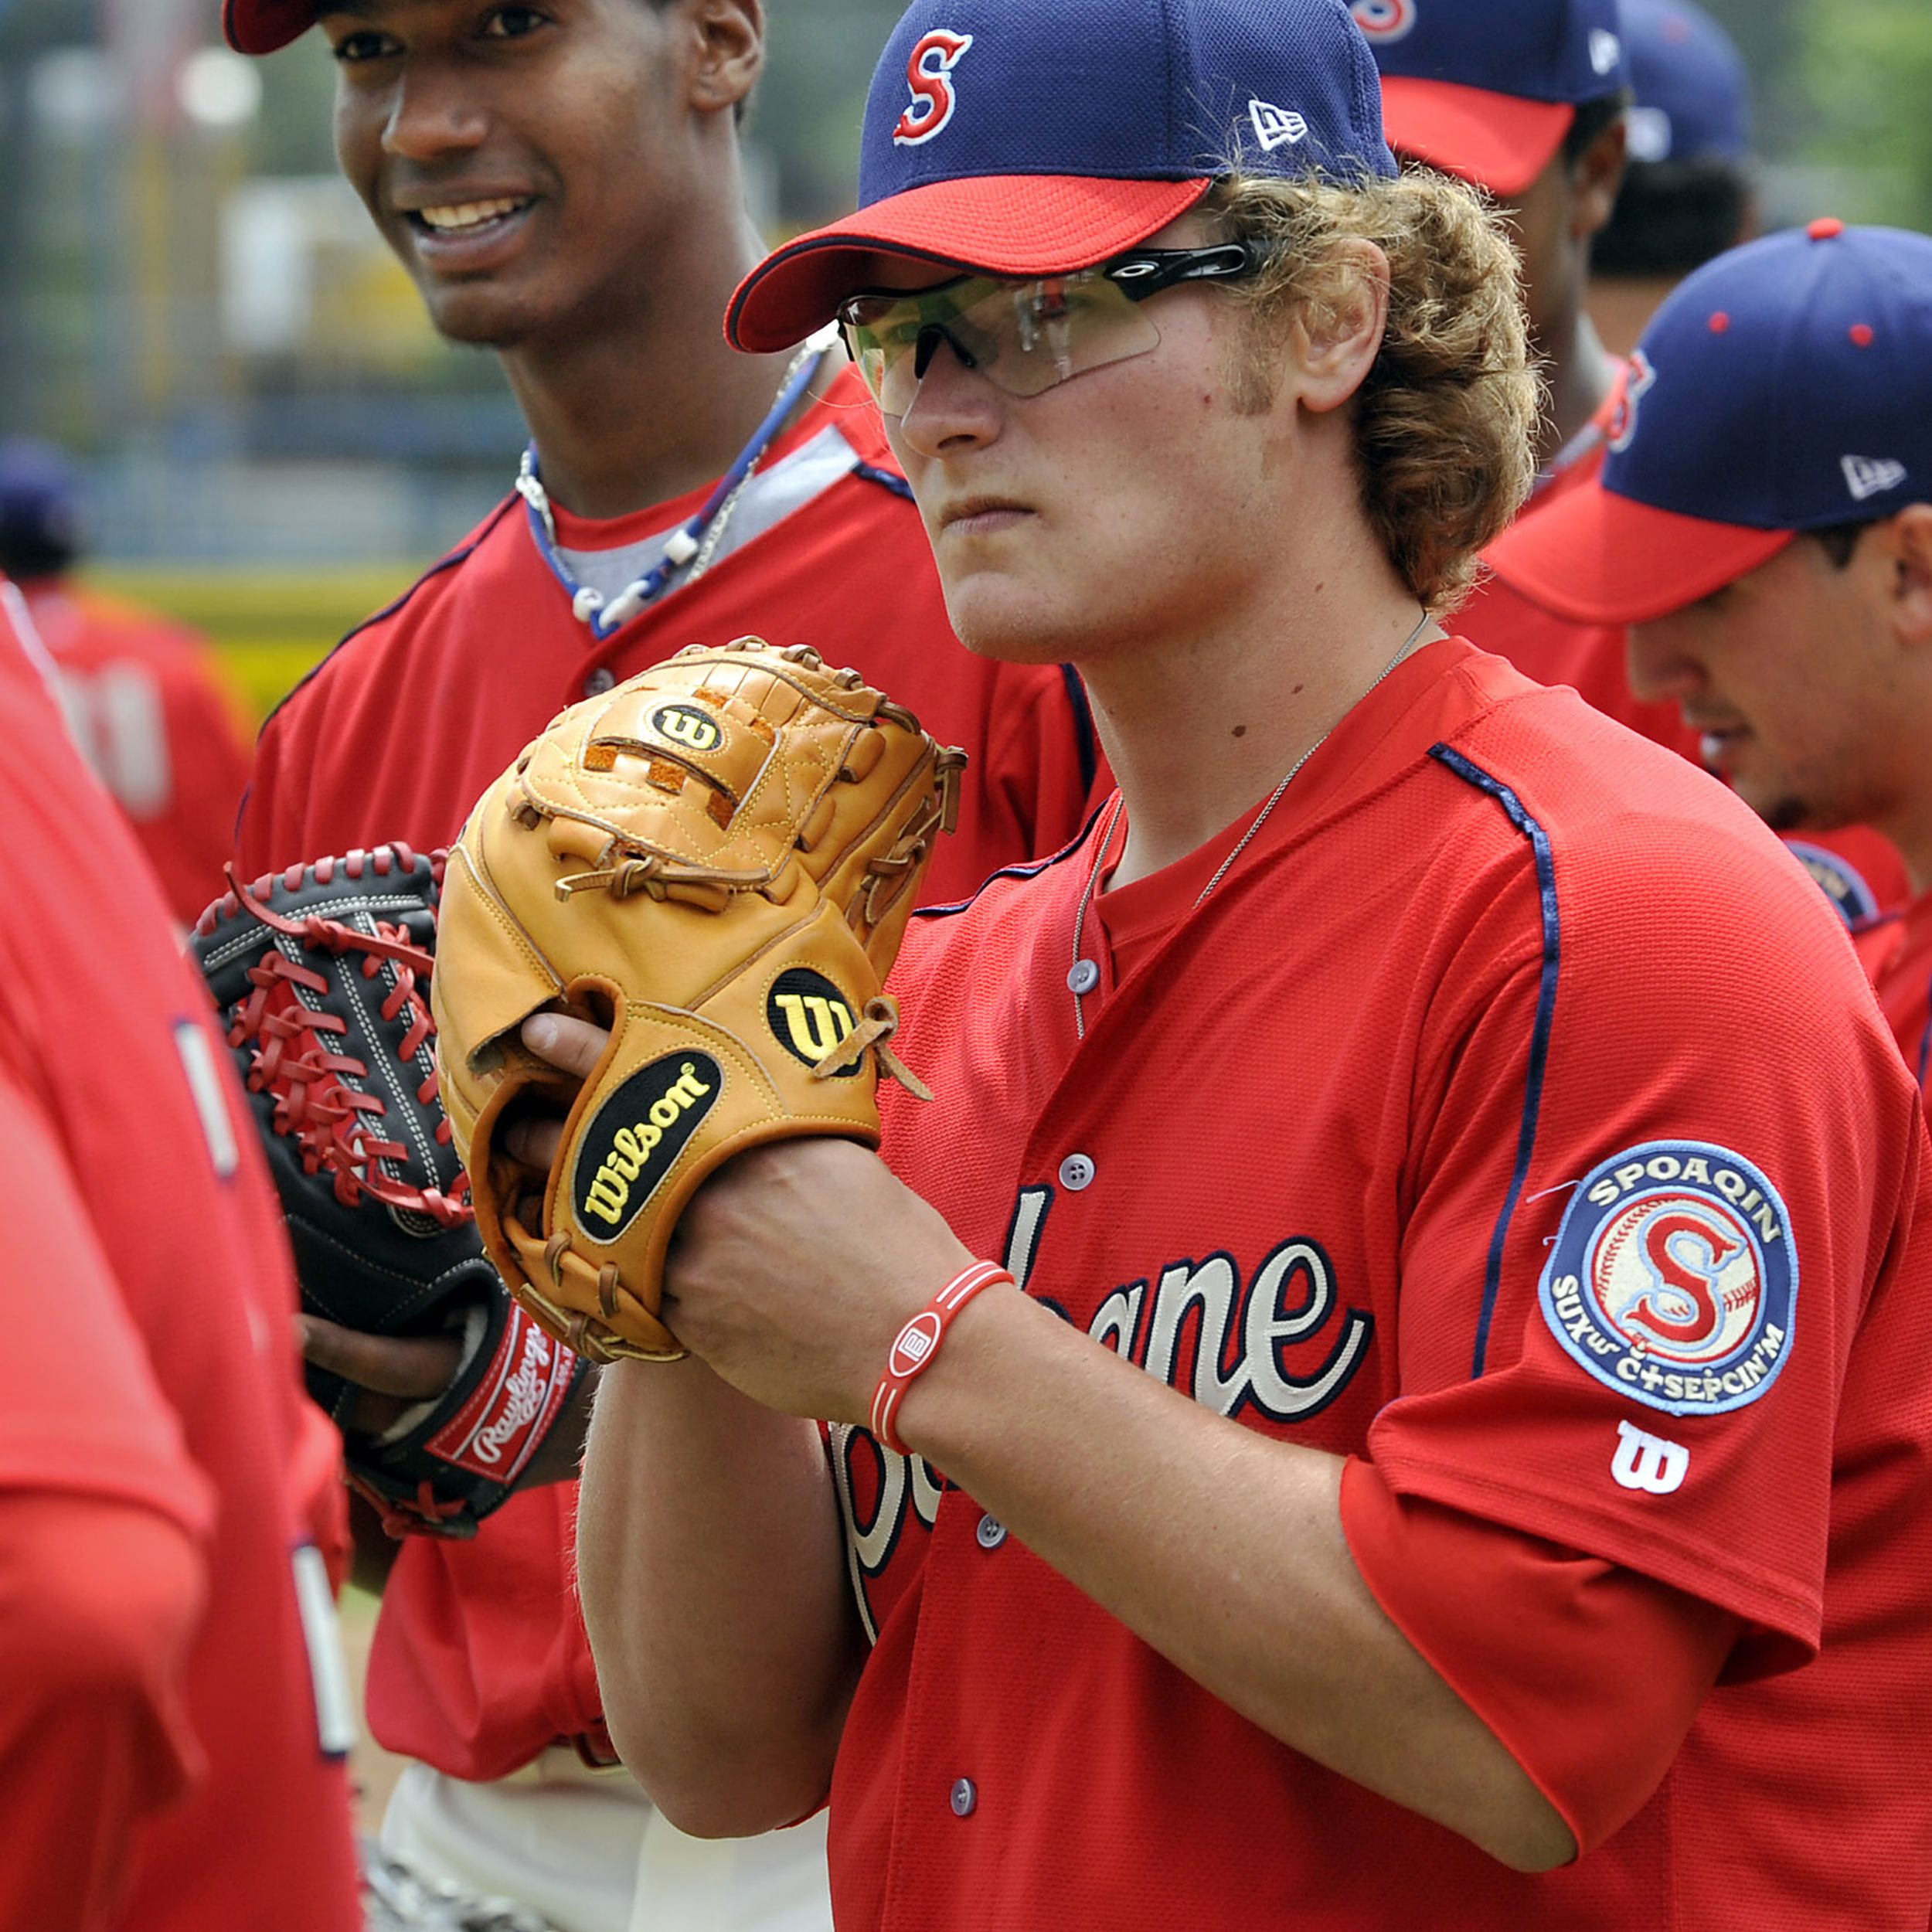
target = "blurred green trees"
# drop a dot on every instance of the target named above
(1866, 67)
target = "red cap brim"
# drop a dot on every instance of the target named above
(264, 26)
(1499, 141)
(1015, 225)
(1595, 557)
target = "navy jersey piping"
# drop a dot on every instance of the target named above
(1031, 870)
(1925, 1053)
(886, 479)
(1474, 775)
(1090, 749)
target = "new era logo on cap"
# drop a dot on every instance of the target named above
(1869, 476)
(1606, 51)
(1276, 126)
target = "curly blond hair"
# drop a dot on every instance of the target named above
(1445, 418)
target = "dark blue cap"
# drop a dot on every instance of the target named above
(41, 513)
(1486, 89)
(1693, 98)
(1784, 386)
(1035, 136)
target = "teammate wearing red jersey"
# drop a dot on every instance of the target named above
(563, 182)
(146, 699)
(165, 1769)
(1770, 543)
(1463, 1101)
(1527, 100)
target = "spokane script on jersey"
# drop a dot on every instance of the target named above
(1236, 1364)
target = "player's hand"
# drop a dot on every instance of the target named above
(794, 1268)
(394, 1373)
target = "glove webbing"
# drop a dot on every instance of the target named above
(330, 1120)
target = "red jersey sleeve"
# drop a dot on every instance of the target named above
(1589, 1674)
(1657, 1180)
(79, 1407)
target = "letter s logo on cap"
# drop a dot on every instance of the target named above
(1639, 380)
(1384, 19)
(929, 74)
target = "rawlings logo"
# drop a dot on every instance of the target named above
(524, 1395)
(1673, 1279)
(511, 1411)
(635, 1140)
(929, 72)
(1385, 19)
(810, 1018)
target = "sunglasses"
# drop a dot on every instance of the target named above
(1026, 337)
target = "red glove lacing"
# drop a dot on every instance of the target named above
(319, 1103)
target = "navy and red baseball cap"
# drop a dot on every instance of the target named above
(1022, 138)
(1785, 386)
(1487, 89)
(1693, 97)
(262, 26)
(43, 522)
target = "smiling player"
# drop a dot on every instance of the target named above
(563, 182)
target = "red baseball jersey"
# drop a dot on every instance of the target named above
(150, 1362)
(152, 713)
(480, 1662)
(1859, 870)
(1897, 953)
(1512, 1118)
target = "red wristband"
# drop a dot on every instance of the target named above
(918, 1342)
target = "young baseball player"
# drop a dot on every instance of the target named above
(1687, 194)
(172, 1721)
(1770, 543)
(147, 699)
(1527, 100)
(563, 182)
(1464, 1103)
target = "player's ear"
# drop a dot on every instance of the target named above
(1595, 177)
(729, 51)
(1910, 538)
(1344, 315)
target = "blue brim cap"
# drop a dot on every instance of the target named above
(1042, 138)
(1785, 386)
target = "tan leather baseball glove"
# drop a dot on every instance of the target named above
(717, 860)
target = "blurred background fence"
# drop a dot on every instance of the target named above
(192, 301)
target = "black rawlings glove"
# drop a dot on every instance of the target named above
(321, 976)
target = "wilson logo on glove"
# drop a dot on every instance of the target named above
(683, 724)
(716, 862)
(809, 1017)
(635, 1142)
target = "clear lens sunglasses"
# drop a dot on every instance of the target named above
(1026, 337)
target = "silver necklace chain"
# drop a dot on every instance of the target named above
(1247, 837)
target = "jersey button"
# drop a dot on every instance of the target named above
(1076, 1174)
(602, 679)
(1084, 977)
(992, 1532)
(965, 1798)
